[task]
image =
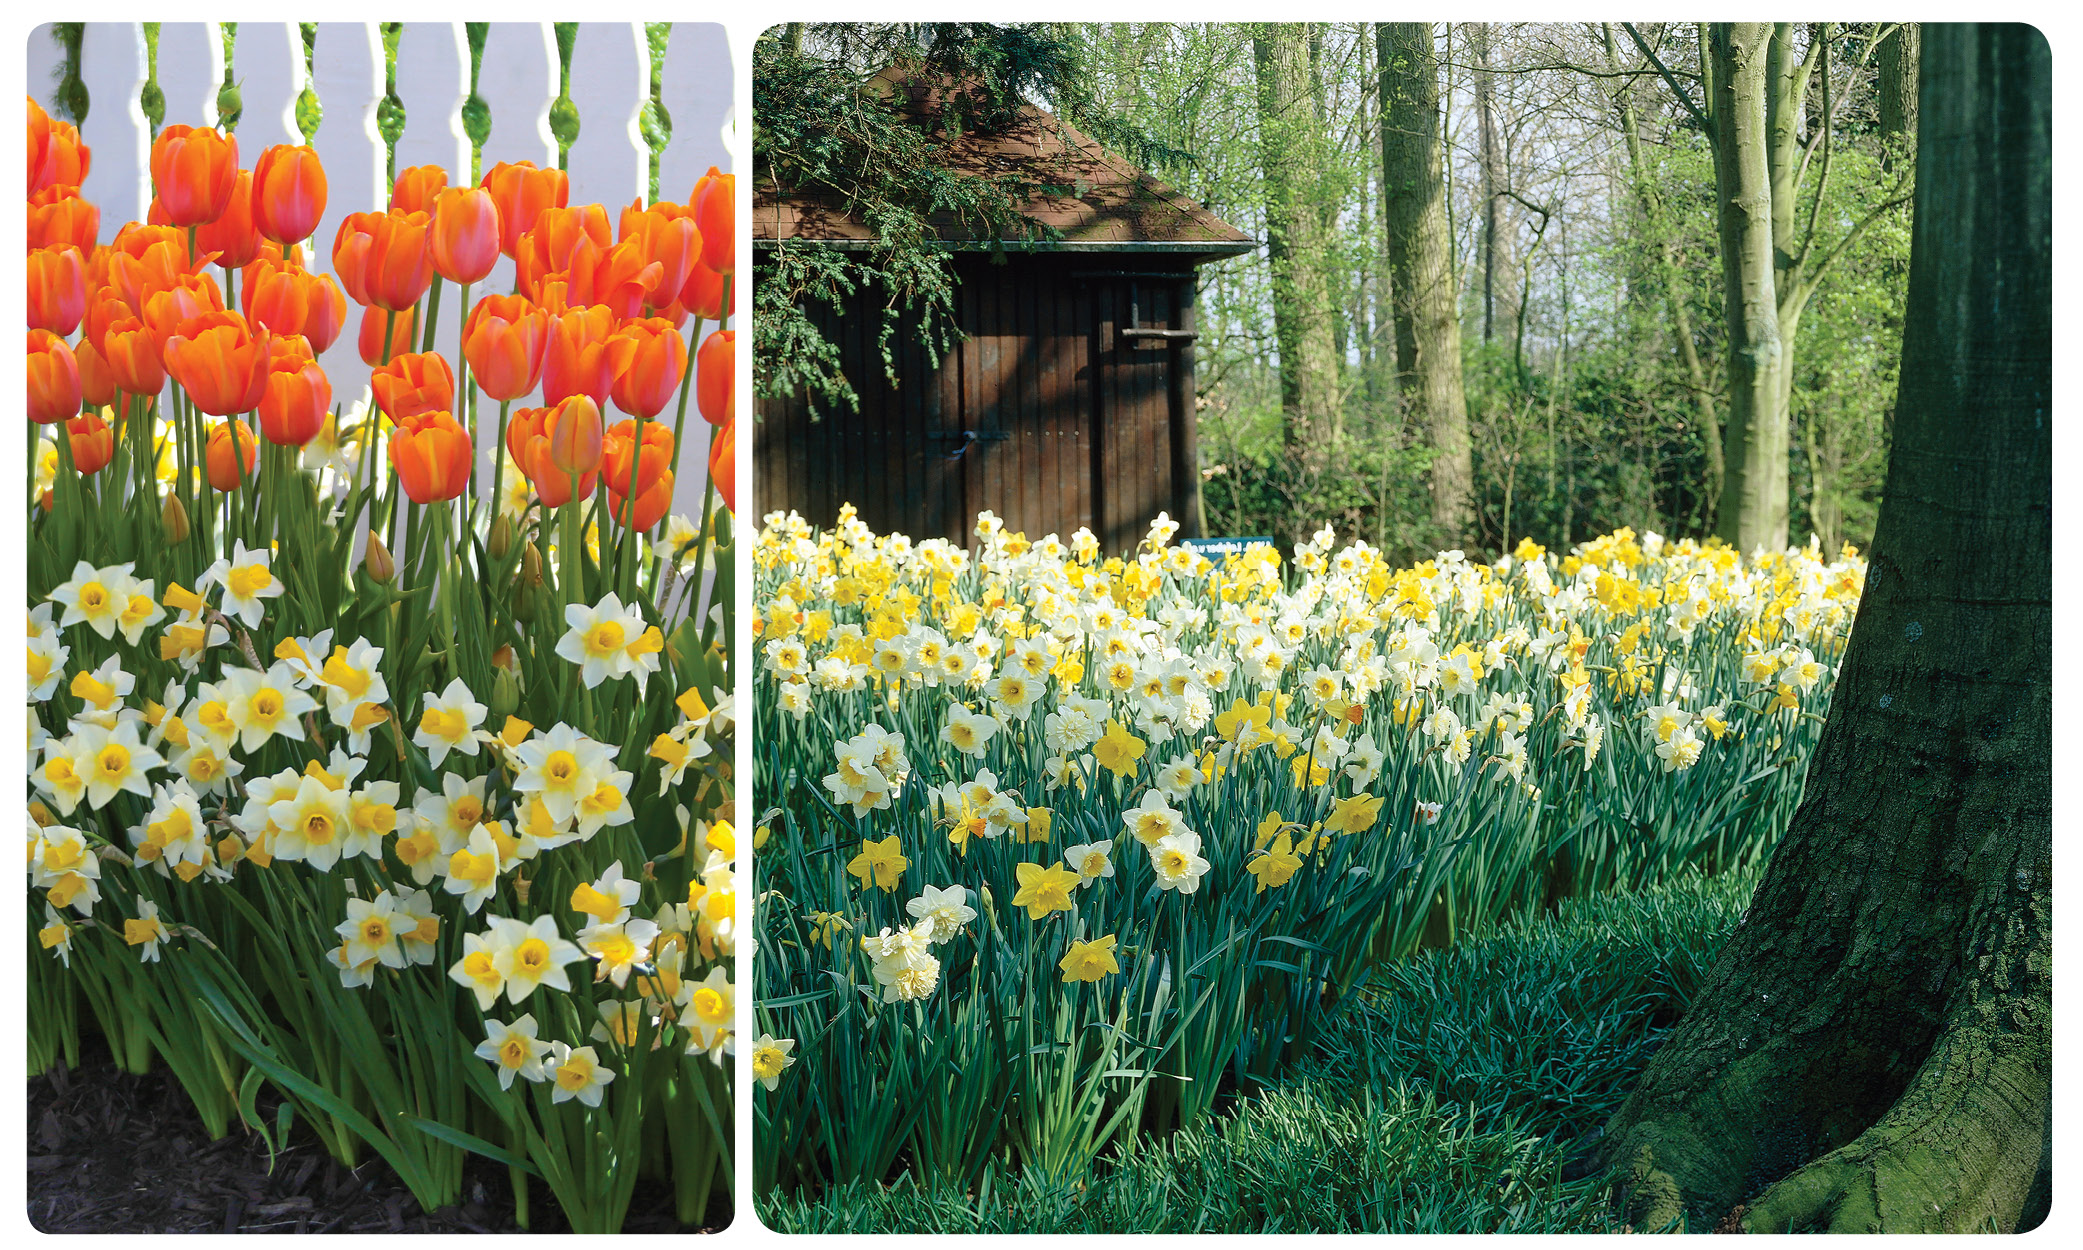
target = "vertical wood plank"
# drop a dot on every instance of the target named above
(191, 72)
(44, 56)
(112, 64)
(347, 68)
(518, 80)
(1049, 404)
(696, 88)
(267, 60)
(347, 73)
(433, 81)
(610, 78)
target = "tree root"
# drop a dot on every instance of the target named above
(1966, 1149)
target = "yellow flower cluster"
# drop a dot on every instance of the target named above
(1023, 685)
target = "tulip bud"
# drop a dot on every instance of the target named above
(377, 560)
(501, 540)
(527, 584)
(173, 519)
(506, 692)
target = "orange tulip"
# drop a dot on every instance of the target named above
(575, 438)
(398, 267)
(194, 173)
(369, 340)
(291, 300)
(104, 308)
(288, 193)
(232, 235)
(715, 202)
(560, 240)
(161, 267)
(351, 244)
(465, 241)
(226, 472)
(327, 315)
(522, 192)
(132, 353)
(620, 277)
(667, 234)
(58, 217)
(97, 380)
(648, 359)
(57, 289)
(298, 397)
(619, 459)
(651, 505)
(702, 294)
(715, 382)
(56, 155)
(137, 238)
(54, 378)
(220, 362)
(415, 189)
(577, 362)
(431, 454)
(414, 383)
(551, 444)
(190, 296)
(93, 443)
(504, 340)
(723, 464)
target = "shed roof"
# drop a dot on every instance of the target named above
(1094, 199)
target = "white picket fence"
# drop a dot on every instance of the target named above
(518, 79)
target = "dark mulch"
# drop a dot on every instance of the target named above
(114, 1153)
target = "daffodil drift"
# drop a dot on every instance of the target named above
(1055, 849)
(438, 843)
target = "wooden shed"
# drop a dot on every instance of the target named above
(1071, 400)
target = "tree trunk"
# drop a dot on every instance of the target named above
(1896, 58)
(1302, 311)
(1428, 330)
(1754, 446)
(1872, 1050)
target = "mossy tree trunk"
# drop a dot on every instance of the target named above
(1290, 150)
(1421, 274)
(1872, 1050)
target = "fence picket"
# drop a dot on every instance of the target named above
(518, 80)
(267, 61)
(433, 80)
(347, 64)
(610, 79)
(112, 64)
(696, 91)
(191, 72)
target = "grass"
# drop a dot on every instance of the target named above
(1448, 1096)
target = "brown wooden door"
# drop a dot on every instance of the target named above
(1142, 344)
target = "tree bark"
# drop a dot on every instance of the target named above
(1872, 1050)
(1302, 311)
(1896, 59)
(1754, 448)
(1428, 328)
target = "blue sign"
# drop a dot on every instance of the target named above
(1217, 548)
